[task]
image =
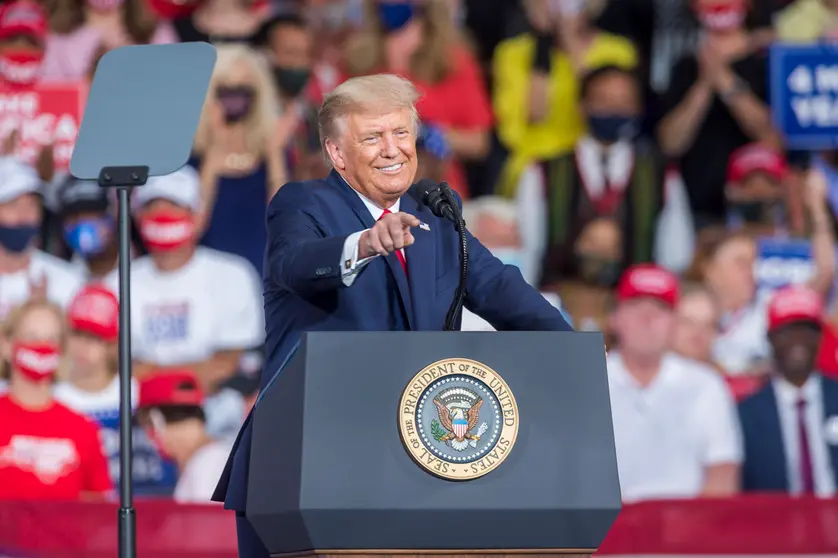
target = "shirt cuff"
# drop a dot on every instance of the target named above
(350, 265)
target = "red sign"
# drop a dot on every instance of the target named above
(43, 115)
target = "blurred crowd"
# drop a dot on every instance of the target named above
(620, 153)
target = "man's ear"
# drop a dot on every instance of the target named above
(335, 154)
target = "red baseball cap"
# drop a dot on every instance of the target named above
(648, 280)
(23, 17)
(173, 387)
(755, 157)
(95, 310)
(795, 304)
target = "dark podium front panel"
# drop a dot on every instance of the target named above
(329, 470)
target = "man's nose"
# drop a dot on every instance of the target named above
(389, 148)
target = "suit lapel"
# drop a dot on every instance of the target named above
(351, 197)
(775, 451)
(420, 265)
(829, 392)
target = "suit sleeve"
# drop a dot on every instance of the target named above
(300, 256)
(499, 294)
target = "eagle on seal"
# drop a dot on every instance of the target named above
(458, 423)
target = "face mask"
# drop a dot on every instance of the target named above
(722, 17)
(598, 271)
(21, 67)
(610, 129)
(394, 15)
(292, 80)
(172, 9)
(38, 361)
(17, 239)
(104, 5)
(163, 232)
(89, 237)
(236, 102)
(754, 212)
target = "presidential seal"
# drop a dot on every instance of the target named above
(458, 419)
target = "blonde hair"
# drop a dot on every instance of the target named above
(261, 122)
(375, 94)
(501, 208)
(18, 313)
(432, 62)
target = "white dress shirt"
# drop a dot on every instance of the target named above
(350, 265)
(787, 396)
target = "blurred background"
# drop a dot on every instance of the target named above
(664, 171)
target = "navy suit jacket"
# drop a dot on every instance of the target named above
(308, 223)
(764, 468)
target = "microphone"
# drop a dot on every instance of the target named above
(442, 202)
(433, 195)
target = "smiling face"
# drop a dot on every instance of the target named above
(376, 153)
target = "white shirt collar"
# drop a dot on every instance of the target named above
(789, 394)
(371, 206)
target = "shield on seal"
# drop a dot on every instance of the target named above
(460, 424)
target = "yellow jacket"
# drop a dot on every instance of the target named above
(557, 133)
(804, 21)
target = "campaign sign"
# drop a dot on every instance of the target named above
(783, 261)
(804, 94)
(44, 115)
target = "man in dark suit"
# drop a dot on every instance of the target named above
(358, 251)
(790, 427)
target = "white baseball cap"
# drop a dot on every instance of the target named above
(17, 179)
(182, 187)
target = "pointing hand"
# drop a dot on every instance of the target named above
(390, 233)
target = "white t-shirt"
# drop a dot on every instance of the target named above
(667, 432)
(62, 282)
(94, 404)
(102, 407)
(213, 303)
(742, 342)
(199, 477)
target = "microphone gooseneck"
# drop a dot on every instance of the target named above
(442, 202)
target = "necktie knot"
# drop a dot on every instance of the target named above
(801, 403)
(383, 213)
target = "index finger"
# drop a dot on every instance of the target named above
(408, 219)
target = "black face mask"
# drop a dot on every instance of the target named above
(597, 270)
(754, 212)
(291, 81)
(236, 102)
(610, 128)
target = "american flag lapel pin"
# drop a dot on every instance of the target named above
(424, 226)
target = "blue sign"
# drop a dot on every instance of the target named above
(804, 95)
(783, 261)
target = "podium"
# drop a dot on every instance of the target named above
(436, 443)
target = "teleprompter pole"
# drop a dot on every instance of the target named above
(123, 179)
(127, 514)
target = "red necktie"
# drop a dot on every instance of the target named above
(807, 477)
(398, 252)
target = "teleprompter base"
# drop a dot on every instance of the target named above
(393, 553)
